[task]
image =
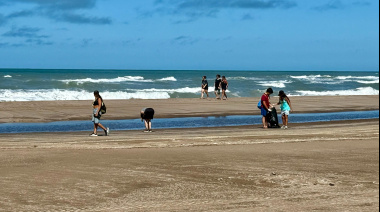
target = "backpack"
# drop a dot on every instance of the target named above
(259, 105)
(103, 108)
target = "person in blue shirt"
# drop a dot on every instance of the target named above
(286, 108)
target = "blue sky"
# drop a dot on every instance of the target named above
(323, 35)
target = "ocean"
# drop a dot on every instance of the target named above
(55, 85)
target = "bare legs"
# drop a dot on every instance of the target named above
(148, 125)
(204, 92)
(217, 94)
(96, 128)
(285, 120)
(224, 94)
(265, 122)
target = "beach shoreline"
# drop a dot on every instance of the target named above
(52, 111)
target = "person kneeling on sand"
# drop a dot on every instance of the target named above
(97, 114)
(147, 116)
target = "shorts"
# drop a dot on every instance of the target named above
(96, 119)
(285, 113)
(264, 112)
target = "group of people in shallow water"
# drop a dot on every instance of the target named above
(221, 86)
(147, 114)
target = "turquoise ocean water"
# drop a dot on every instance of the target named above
(52, 85)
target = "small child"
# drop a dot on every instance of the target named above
(286, 108)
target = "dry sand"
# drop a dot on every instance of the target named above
(330, 166)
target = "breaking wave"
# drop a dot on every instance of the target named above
(172, 79)
(355, 92)
(275, 84)
(57, 95)
(60, 94)
(327, 79)
(117, 80)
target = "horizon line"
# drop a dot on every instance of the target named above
(242, 70)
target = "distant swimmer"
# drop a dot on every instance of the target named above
(147, 116)
(98, 109)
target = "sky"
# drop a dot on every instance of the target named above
(289, 35)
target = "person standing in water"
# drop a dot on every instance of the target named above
(97, 114)
(286, 108)
(204, 87)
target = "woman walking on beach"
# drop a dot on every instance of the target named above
(97, 114)
(286, 108)
(224, 87)
(204, 87)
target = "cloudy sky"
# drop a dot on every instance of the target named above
(340, 35)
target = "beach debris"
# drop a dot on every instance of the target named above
(274, 174)
(332, 184)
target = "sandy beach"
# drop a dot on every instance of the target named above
(34, 112)
(331, 166)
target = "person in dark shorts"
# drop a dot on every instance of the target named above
(265, 106)
(97, 114)
(218, 86)
(204, 87)
(147, 116)
(224, 85)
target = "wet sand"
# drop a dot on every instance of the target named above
(331, 166)
(13, 112)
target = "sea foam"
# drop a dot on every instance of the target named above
(368, 82)
(118, 80)
(114, 80)
(310, 77)
(355, 92)
(171, 91)
(275, 84)
(57, 95)
(172, 79)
